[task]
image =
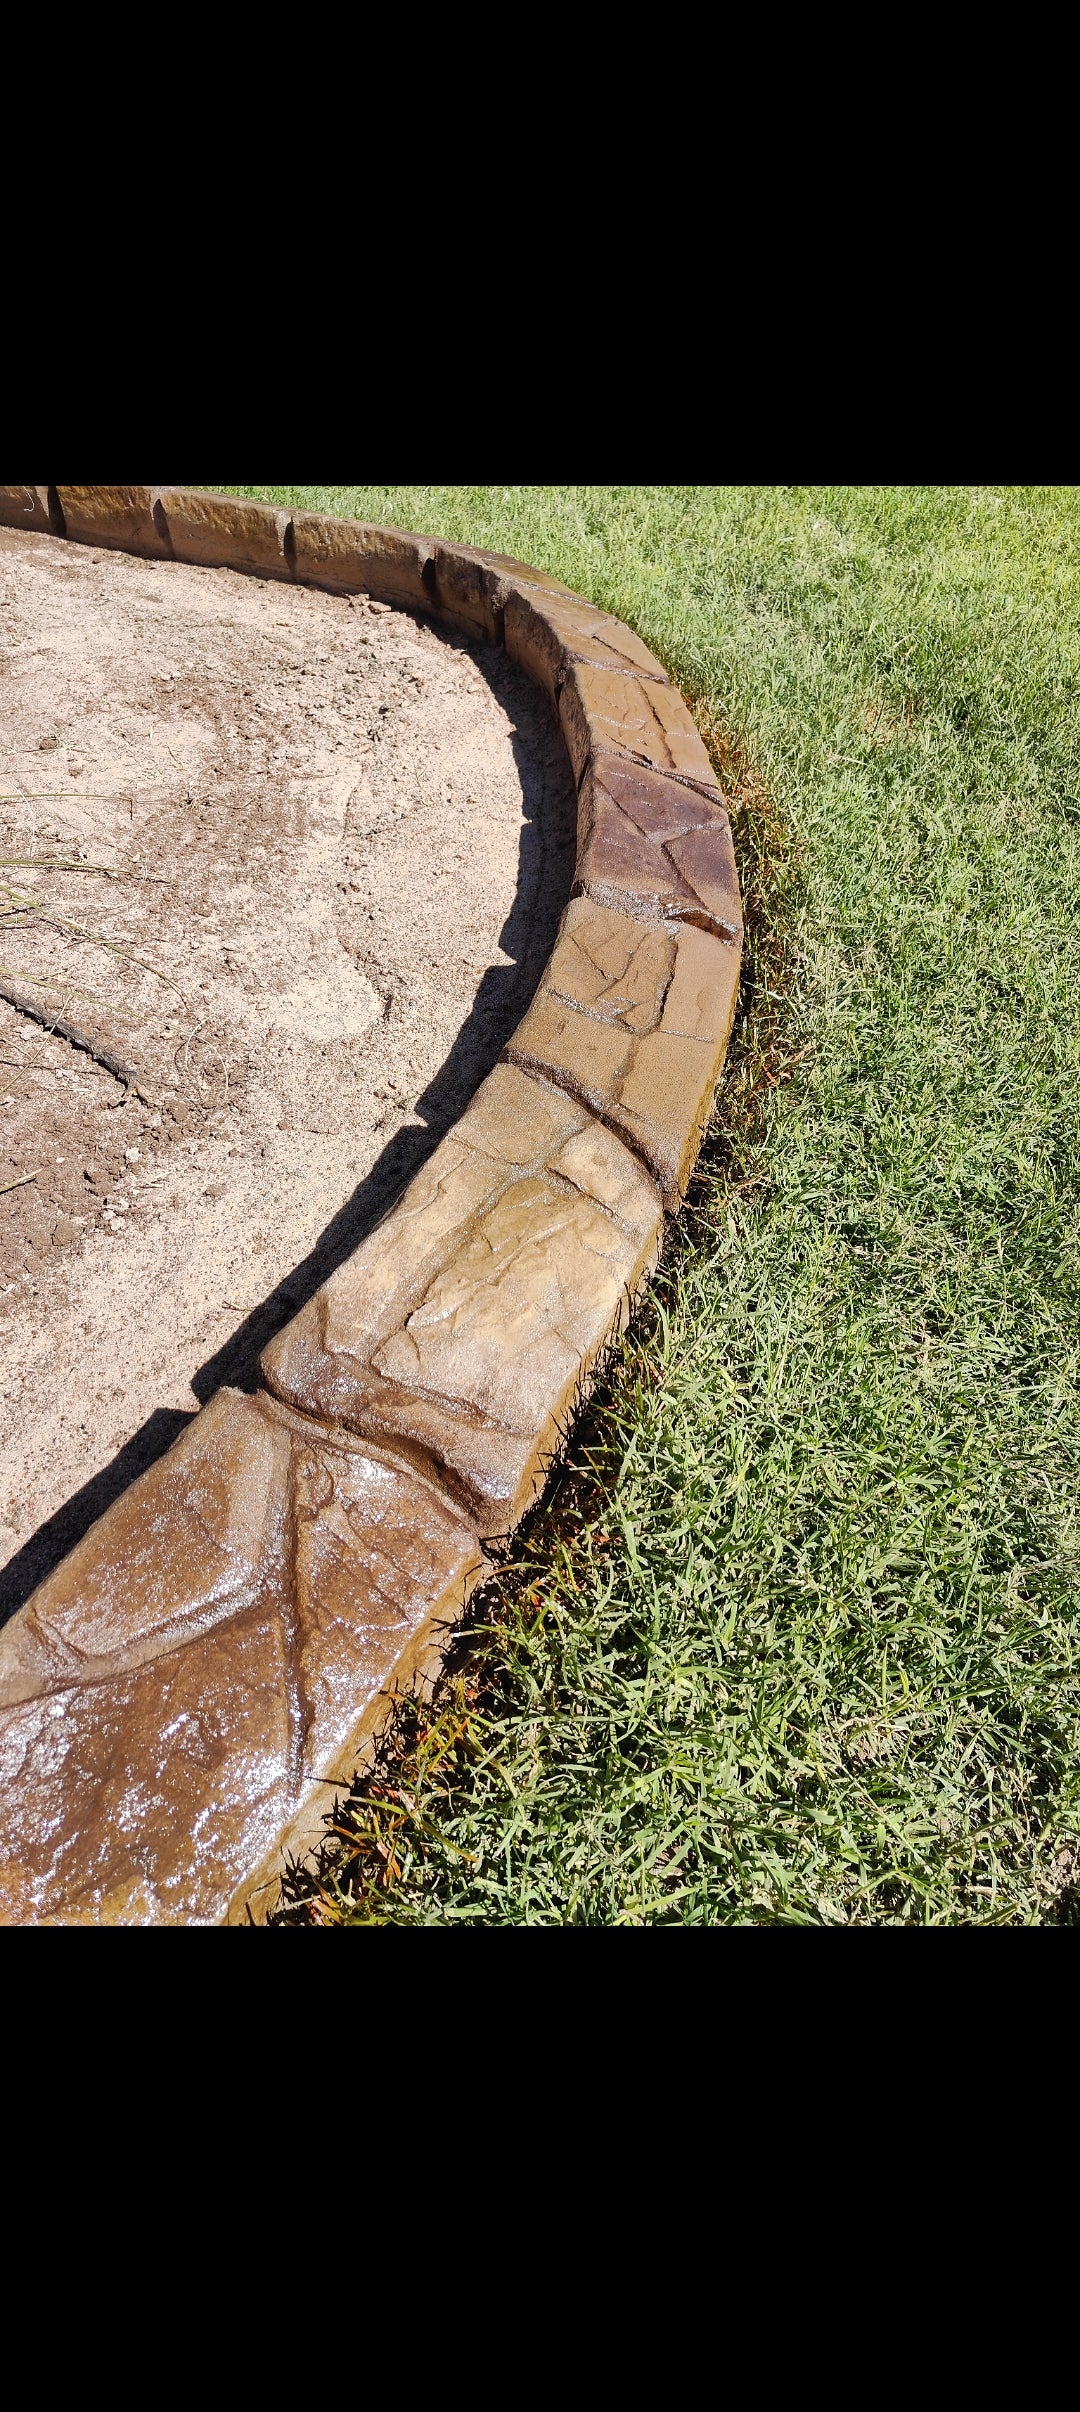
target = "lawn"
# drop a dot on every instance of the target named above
(794, 1638)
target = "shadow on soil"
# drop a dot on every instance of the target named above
(545, 871)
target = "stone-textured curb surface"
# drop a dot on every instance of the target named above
(177, 1697)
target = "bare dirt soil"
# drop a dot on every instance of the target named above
(298, 862)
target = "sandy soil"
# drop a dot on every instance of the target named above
(316, 851)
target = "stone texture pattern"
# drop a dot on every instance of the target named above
(605, 709)
(34, 507)
(633, 1018)
(470, 1321)
(125, 519)
(659, 848)
(173, 1692)
(177, 1697)
(223, 533)
(350, 559)
(546, 632)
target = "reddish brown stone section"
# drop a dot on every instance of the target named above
(652, 846)
(177, 1696)
(129, 1802)
(600, 710)
(173, 1694)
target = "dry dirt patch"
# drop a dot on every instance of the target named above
(299, 861)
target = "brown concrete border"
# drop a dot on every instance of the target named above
(225, 1642)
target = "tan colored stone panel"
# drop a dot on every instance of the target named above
(511, 1328)
(666, 1099)
(496, 1471)
(599, 708)
(399, 1257)
(464, 590)
(320, 1361)
(700, 1000)
(517, 1121)
(603, 990)
(688, 754)
(26, 507)
(511, 1314)
(378, 1554)
(223, 531)
(597, 1163)
(474, 1367)
(664, 1106)
(651, 1075)
(489, 1368)
(350, 558)
(536, 1127)
(121, 517)
(611, 965)
(545, 632)
(316, 1360)
(565, 1045)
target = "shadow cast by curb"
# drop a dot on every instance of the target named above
(545, 872)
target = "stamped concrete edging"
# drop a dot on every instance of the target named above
(225, 1642)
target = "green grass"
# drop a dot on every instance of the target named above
(795, 1639)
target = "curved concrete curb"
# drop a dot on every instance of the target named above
(177, 1696)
